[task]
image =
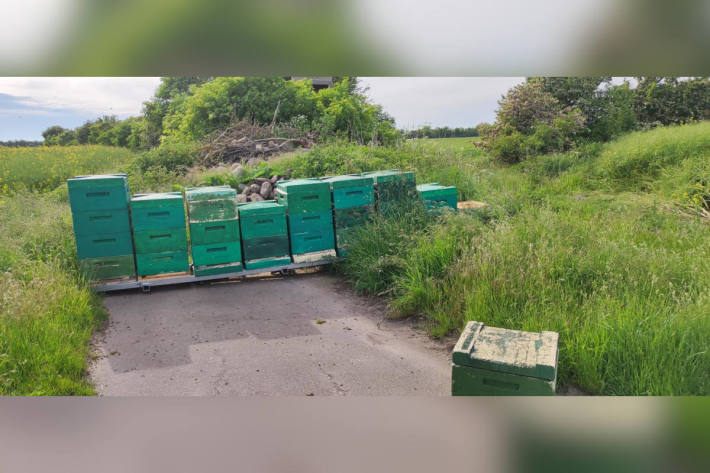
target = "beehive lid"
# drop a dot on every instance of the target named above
(434, 188)
(97, 180)
(210, 193)
(266, 207)
(388, 175)
(349, 180)
(164, 199)
(508, 351)
(302, 185)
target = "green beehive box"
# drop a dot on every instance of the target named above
(315, 240)
(352, 190)
(268, 263)
(111, 267)
(209, 193)
(317, 221)
(262, 219)
(217, 253)
(149, 264)
(304, 195)
(436, 196)
(212, 210)
(392, 188)
(98, 222)
(489, 361)
(98, 192)
(266, 247)
(100, 245)
(208, 204)
(353, 217)
(157, 241)
(157, 211)
(218, 269)
(206, 233)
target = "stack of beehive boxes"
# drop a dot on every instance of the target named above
(159, 233)
(102, 226)
(394, 189)
(353, 204)
(264, 234)
(435, 197)
(310, 218)
(214, 230)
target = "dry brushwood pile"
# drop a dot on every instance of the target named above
(244, 140)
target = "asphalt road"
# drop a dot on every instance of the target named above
(262, 337)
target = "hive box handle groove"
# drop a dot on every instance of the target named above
(100, 217)
(96, 194)
(212, 250)
(216, 227)
(158, 214)
(153, 237)
(105, 240)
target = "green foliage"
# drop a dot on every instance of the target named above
(441, 132)
(172, 155)
(667, 100)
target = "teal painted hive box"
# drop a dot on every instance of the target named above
(158, 211)
(214, 230)
(264, 234)
(304, 195)
(159, 232)
(352, 190)
(393, 189)
(102, 226)
(98, 192)
(209, 204)
(435, 196)
(489, 361)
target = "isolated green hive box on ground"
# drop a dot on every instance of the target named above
(304, 195)
(495, 361)
(434, 195)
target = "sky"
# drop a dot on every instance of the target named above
(28, 106)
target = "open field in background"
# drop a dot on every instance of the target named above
(44, 168)
(604, 244)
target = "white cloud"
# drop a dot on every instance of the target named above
(122, 96)
(439, 101)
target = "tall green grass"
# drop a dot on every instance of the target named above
(44, 168)
(589, 244)
(47, 312)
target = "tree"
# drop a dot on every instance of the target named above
(51, 133)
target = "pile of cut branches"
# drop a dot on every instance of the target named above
(245, 139)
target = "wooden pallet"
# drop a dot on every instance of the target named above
(470, 204)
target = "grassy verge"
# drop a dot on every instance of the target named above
(47, 312)
(594, 244)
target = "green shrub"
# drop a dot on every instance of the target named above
(172, 155)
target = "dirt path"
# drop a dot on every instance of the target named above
(261, 337)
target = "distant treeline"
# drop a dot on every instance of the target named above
(20, 143)
(440, 132)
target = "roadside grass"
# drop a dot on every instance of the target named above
(568, 243)
(44, 168)
(47, 312)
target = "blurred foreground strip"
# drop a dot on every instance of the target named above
(349, 37)
(354, 435)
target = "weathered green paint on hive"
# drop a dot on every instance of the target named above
(304, 195)
(212, 210)
(112, 267)
(218, 269)
(217, 253)
(314, 240)
(209, 193)
(100, 245)
(98, 192)
(468, 381)
(156, 241)
(317, 221)
(157, 211)
(506, 356)
(268, 263)
(266, 247)
(149, 264)
(435, 196)
(352, 190)
(97, 222)
(205, 233)
(262, 219)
